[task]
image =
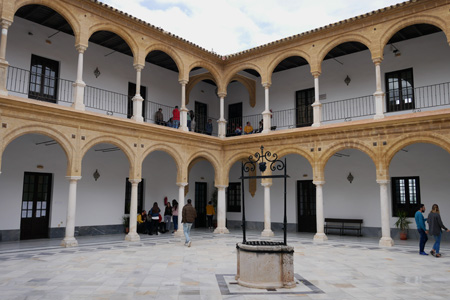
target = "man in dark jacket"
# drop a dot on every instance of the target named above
(188, 217)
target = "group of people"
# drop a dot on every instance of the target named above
(174, 121)
(154, 223)
(435, 226)
(248, 129)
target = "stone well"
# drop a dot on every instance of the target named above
(265, 265)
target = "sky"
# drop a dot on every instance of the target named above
(230, 26)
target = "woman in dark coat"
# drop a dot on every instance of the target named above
(154, 215)
(435, 228)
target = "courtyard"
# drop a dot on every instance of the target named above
(161, 267)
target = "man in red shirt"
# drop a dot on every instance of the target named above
(176, 117)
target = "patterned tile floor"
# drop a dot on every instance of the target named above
(161, 267)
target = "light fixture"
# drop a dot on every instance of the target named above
(395, 50)
(350, 177)
(97, 72)
(96, 175)
(347, 80)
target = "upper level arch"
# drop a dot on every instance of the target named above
(241, 67)
(163, 50)
(279, 58)
(207, 66)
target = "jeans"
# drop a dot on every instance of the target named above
(175, 222)
(210, 221)
(437, 242)
(167, 221)
(187, 231)
(423, 239)
(176, 123)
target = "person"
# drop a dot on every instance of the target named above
(188, 216)
(143, 225)
(176, 117)
(248, 128)
(238, 130)
(188, 116)
(435, 227)
(170, 123)
(175, 215)
(261, 126)
(209, 127)
(159, 118)
(192, 121)
(154, 214)
(421, 228)
(167, 216)
(210, 212)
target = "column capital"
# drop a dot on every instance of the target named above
(266, 85)
(182, 184)
(222, 94)
(384, 181)
(135, 181)
(73, 177)
(377, 60)
(80, 48)
(266, 184)
(6, 23)
(183, 81)
(221, 186)
(138, 67)
(318, 182)
(315, 74)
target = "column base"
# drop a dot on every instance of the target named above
(320, 237)
(137, 118)
(386, 242)
(267, 232)
(221, 230)
(183, 128)
(222, 130)
(315, 125)
(69, 242)
(377, 117)
(132, 237)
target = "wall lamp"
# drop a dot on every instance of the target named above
(347, 80)
(96, 175)
(97, 72)
(350, 177)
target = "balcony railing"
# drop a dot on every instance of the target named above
(348, 109)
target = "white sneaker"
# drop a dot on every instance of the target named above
(189, 244)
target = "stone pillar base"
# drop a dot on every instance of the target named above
(222, 131)
(69, 242)
(132, 237)
(267, 232)
(320, 237)
(221, 230)
(386, 242)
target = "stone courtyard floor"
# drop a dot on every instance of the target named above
(161, 267)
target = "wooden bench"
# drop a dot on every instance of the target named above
(343, 225)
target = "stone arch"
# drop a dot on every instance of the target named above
(295, 150)
(351, 37)
(210, 158)
(44, 130)
(196, 79)
(233, 71)
(205, 65)
(417, 19)
(111, 27)
(56, 6)
(404, 141)
(286, 54)
(109, 139)
(181, 175)
(231, 160)
(169, 51)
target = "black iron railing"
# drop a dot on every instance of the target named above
(348, 109)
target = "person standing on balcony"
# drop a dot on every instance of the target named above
(159, 118)
(192, 121)
(209, 127)
(188, 116)
(176, 117)
(248, 128)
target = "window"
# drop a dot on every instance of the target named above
(43, 79)
(304, 111)
(399, 90)
(234, 197)
(128, 196)
(405, 195)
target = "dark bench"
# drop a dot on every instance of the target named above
(343, 225)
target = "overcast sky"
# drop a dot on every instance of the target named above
(230, 26)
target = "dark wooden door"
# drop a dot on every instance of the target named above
(306, 204)
(44, 75)
(201, 117)
(200, 203)
(36, 198)
(131, 94)
(234, 117)
(304, 111)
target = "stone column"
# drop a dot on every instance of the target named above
(386, 239)
(221, 210)
(181, 185)
(183, 110)
(79, 85)
(3, 63)
(317, 106)
(267, 115)
(320, 235)
(267, 222)
(137, 99)
(379, 94)
(69, 239)
(222, 123)
(132, 235)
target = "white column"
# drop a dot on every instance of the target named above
(267, 115)
(137, 99)
(181, 185)
(69, 240)
(320, 235)
(79, 85)
(3, 63)
(132, 235)
(267, 222)
(317, 106)
(386, 239)
(221, 210)
(379, 94)
(222, 123)
(183, 110)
